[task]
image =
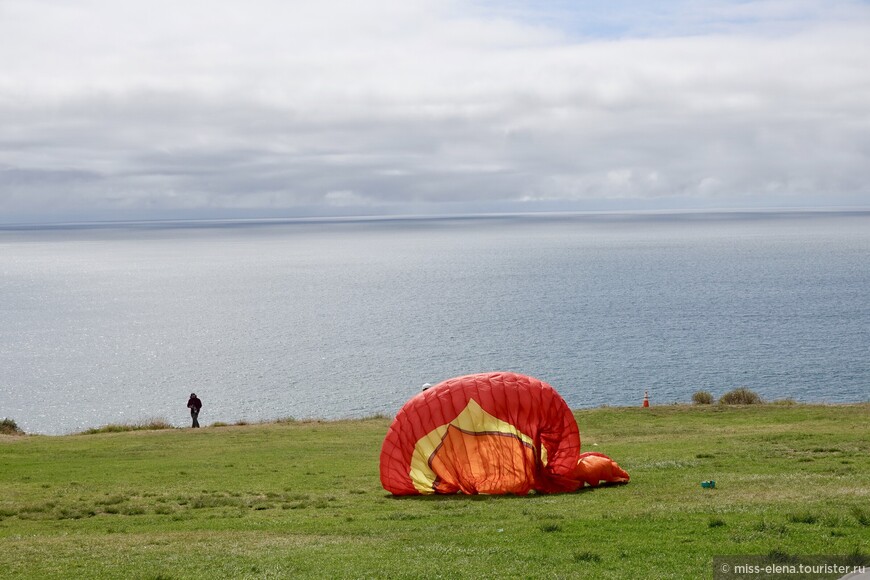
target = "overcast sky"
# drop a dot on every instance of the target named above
(157, 109)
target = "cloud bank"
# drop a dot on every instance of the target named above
(137, 110)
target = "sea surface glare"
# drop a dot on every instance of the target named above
(113, 323)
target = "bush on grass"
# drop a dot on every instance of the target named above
(741, 396)
(785, 402)
(702, 398)
(10, 427)
(147, 425)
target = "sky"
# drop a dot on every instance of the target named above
(161, 109)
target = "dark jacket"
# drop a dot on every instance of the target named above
(194, 403)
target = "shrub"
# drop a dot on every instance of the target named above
(702, 398)
(785, 402)
(741, 396)
(9, 427)
(147, 425)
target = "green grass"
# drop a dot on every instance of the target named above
(303, 499)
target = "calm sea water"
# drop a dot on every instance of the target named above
(333, 319)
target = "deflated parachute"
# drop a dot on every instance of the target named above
(492, 433)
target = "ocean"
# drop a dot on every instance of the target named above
(265, 319)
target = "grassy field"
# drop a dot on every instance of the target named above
(304, 500)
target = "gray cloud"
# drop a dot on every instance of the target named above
(155, 110)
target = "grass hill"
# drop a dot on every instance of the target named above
(303, 499)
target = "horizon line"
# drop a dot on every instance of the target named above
(434, 216)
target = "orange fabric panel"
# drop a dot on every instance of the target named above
(489, 463)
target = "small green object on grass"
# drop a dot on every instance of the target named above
(709, 484)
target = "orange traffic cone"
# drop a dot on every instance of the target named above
(646, 398)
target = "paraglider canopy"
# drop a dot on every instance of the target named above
(491, 433)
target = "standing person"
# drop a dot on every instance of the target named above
(194, 404)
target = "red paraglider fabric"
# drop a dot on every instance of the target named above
(492, 433)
